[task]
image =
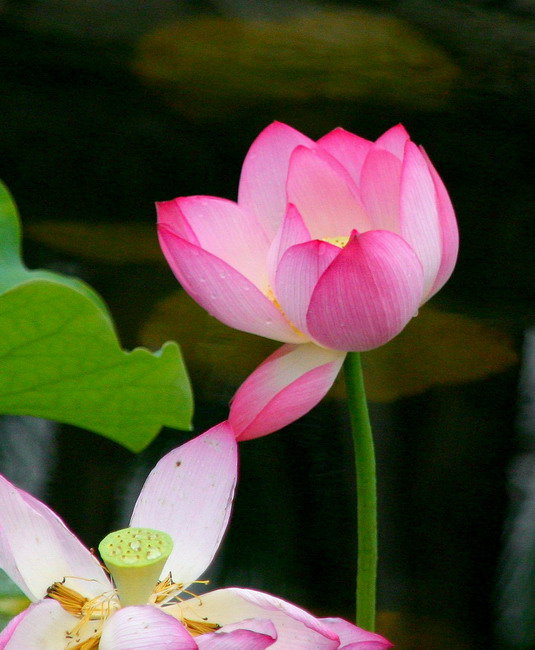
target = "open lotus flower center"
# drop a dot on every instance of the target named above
(135, 558)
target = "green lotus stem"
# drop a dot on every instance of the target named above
(366, 492)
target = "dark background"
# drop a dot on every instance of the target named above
(108, 105)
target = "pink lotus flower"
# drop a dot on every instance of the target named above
(335, 242)
(332, 247)
(75, 606)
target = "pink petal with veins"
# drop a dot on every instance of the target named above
(145, 628)
(37, 549)
(224, 292)
(262, 183)
(189, 495)
(253, 634)
(368, 294)
(325, 195)
(224, 229)
(283, 388)
(296, 628)
(349, 149)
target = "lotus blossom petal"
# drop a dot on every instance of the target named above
(325, 195)
(296, 628)
(368, 294)
(145, 628)
(355, 638)
(380, 186)
(291, 232)
(222, 228)
(253, 634)
(37, 549)
(419, 219)
(42, 627)
(448, 229)
(224, 292)
(349, 149)
(7, 632)
(283, 388)
(262, 183)
(297, 276)
(193, 484)
(394, 140)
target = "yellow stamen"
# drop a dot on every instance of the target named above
(196, 628)
(70, 600)
(85, 609)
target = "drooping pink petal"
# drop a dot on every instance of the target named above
(291, 232)
(325, 195)
(355, 638)
(349, 149)
(37, 549)
(297, 275)
(145, 628)
(226, 230)
(224, 292)
(368, 294)
(43, 627)
(448, 228)
(283, 388)
(253, 634)
(394, 140)
(189, 495)
(379, 189)
(419, 218)
(262, 188)
(296, 628)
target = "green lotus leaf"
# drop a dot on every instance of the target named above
(61, 358)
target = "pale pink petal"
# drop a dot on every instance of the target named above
(394, 140)
(379, 189)
(37, 549)
(297, 275)
(296, 628)
(263, 177)
(7, 632)
(43, 627)
(355, 638)
(145, 628)
(227, 231)
(325, 195)
(189, 495)
(283, 388)
(349, 149)
(368, 294)
(225, 293)
(291, 232)
(419, 218)
(253, 634)
(449, 230)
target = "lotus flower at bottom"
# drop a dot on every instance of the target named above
(175, 530)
